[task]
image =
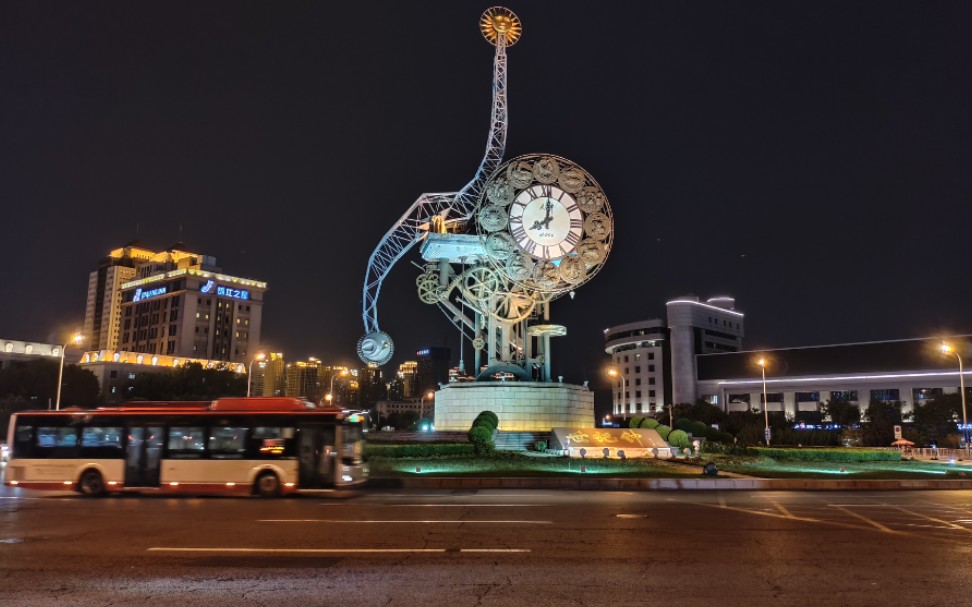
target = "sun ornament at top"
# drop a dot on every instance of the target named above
(500, 21)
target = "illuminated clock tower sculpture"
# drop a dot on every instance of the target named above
(497, 252)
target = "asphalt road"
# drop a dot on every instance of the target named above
(490, 547)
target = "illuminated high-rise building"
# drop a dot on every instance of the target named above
(408, 378)
(269, 376)
(177, 303)
(304, 380)
(102, 314)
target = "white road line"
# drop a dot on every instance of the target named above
(427, 522)
(332, 550)
(296, 550)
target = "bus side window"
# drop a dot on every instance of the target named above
(227, 442)
(53, 442)
(186, 442)
(101, 441)
(23, 441)
(270, 442)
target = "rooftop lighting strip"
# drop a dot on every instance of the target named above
(757, 382)
(185, 272)
(704, 305)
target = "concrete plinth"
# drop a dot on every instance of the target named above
(520, 406)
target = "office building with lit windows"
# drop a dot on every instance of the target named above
(180, 304)
(656, 358)
(798, 380)
(102, 314)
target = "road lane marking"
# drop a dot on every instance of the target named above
(866, 520)
(427, 522)
(933, 519)
(772, 514)
(782, 509)
(333, 550)
(360, 505)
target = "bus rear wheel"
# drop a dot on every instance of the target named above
(91, 484)
(267, 485)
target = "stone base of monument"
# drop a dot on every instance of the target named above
(521, 406)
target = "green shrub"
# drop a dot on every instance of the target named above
(421, 450)
(698, 429)
(663, 431)
(679, 438)
(488, 417)
(649, 423)
(481, 437)
(636, 421)
(727, 438)
(683, 423)
(540, 445)
(829, 455)
(710, 433)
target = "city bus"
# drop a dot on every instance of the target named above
(264, 446)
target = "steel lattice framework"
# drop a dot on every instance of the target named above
(413, 226)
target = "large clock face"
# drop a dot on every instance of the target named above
(546, 222)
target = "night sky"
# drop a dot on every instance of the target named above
(811, 159)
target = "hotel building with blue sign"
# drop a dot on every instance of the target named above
(173, 303)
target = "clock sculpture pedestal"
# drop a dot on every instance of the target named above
(522, 406)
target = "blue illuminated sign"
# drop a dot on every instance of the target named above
(148, 294)
(234, 293)
(223, 291)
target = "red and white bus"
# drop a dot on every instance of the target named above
(263, 446)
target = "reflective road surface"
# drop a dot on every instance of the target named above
(490, 547)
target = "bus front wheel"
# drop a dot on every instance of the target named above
(268, 485)
(91, 484)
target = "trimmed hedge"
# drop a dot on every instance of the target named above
(699, 429)
(829, 455)
(481, 433)
(663, 431)
(541, 446)
(636, 421)
(683, 423)
(649, 423)
(488, 418)
(403, 451)
(679, 438)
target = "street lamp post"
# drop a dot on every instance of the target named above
(249, 372)
(60, 371)
(330, 392)
(762, 365)
(429, 395)
(948, 349)
(615, 373)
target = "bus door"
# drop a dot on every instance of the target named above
(143, 456)
(317, 455)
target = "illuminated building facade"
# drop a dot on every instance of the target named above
(306, 380)
(657, 357)
(798, 380)
(102, 314)
(432, 368)
(269, 376)
(117, 370)
(408, 379)
(12, 351)
(180, 304)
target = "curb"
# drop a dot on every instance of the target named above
(665, 484)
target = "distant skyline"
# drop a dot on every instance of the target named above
(811, 159)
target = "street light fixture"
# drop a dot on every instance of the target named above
(76, 339)
(429, 395)
(249, 373)
(948, 349)
(613, 372)
(762, 362)
(330, 392)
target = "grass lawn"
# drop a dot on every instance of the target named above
(521, 465)
(770, 468)
(526, 465)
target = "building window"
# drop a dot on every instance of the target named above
(849, 395)
(808, 397)
(651, 368)
(638, 381)
(651, 381)
(886, 395)
(773, 397)
(651, 393)
(638, 369)
(651, 356)
(637, 393)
